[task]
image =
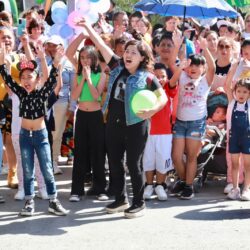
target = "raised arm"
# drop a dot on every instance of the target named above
(210, 61)
(105, 50)
(71, 50)
(229, 80)
(27, 49)
(44, 66)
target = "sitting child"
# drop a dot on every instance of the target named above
(217, 119)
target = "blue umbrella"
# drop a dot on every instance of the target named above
(187, 8)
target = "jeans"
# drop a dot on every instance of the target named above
(132, 139)
(31, 142)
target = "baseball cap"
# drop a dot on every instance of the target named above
(55, 39)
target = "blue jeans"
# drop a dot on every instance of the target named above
(190, 129)
(31, 142)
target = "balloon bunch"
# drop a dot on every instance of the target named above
(59, 15)
(88, 9)
(65, 25)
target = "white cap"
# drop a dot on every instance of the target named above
(222, 23)
(55, 39)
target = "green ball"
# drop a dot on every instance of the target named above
(143, 99)
(39, 1)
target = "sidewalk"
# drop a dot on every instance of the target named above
(209, 221)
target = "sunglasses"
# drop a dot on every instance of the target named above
(222, 46)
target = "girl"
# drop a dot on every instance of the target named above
(238, 126)
(89, 126)
(33, 134)
(145, 29)
(189, 128)
(126, 131)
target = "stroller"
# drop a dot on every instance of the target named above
(212, 159)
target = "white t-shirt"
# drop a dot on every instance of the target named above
(242, 71)
(192, 103)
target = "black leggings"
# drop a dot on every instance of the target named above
(89, 143)
(132, 139)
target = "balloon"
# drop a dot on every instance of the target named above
(59, 16)
(66, 32)
(91, 16)
(143, 99)
(73, 18)
(55, 29)
(58, 5)
(83, 6)
(100, 6)
(94, 1)
(39, 1)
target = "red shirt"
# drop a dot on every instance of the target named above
(161, 122)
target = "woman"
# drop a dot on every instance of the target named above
(212, 42)
(125, 130)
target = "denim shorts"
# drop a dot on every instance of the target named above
(239, 142)
(190, 129)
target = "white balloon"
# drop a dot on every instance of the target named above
(83, 6)
(58, 4)
(91, 16)
(101, 6)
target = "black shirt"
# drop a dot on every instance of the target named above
(116, 103)
(33, 104)
(222, 70)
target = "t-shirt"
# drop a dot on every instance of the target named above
(193, 93)
(161, 122)
(116, 103)
(242, 71)
(220, 76)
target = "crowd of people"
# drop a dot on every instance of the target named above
(73, 99)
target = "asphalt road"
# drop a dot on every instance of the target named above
(209, 221)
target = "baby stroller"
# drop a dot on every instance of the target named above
(212, 159)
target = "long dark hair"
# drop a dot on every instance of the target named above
(145, 51)
(95, 68)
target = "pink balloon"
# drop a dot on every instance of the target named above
(73, 18)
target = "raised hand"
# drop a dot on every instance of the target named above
(177, 39)
(58, 56)
(40, 51)
(24, 39)
(2, 53)
(203, 43)
(184, 63)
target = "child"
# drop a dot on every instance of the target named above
(33, 134)
(238, 126)
(217, 119)
(157, 154)
(189, 128)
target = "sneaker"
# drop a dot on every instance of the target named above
(29, 208)
(102, 197)
(2, 200)
(161, 193)
(177, 188)
(148, 191)
(42, 194)
(228, 188)
(135, 211)
(75, 198)
(56, 208)
(234, 194)
(57, 170)
(117, 206)
(245, 195)
(187, 193)
(19, 195)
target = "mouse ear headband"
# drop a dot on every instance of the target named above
(24, 64)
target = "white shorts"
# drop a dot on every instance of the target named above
(157, 154)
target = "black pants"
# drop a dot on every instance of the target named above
(132, 139)
(89, 143)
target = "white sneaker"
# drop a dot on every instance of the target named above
(161, 193)
(19, 195)
(42, 194)
(245, 195)
(75, 198)
(148, 192)
(228, 188)
(234, 194)
(5, 169)
(57, 170)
